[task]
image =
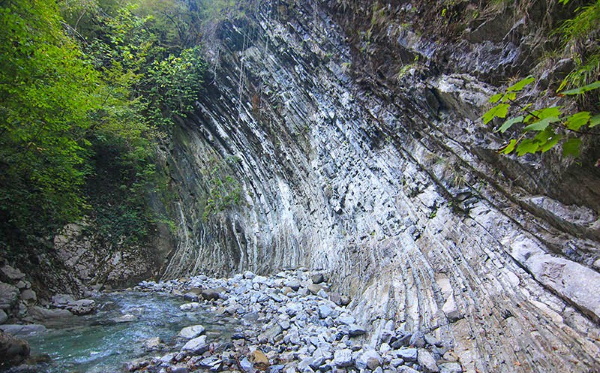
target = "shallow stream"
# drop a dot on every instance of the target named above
(99, 344)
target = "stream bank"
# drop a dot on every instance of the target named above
(287, 322)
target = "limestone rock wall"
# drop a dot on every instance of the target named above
(306, 151)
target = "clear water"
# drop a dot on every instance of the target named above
(96, 344)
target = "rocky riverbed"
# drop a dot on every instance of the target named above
(290, 322)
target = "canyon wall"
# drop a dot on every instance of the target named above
(327, 140)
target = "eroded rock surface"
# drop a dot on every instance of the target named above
(389, 184)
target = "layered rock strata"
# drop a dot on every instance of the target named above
(302, 153)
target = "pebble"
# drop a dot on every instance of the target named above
(289, 323)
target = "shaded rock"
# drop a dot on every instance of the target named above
(210, 294)
(271, 333)
(355, 330)
(23, 330)
(152, 343)
(192, 297)
(28, 296)
(427, 361)
(246, 365)
(81, 306)
(211, 363)
(196, 346)
(191, 332)
(402, 340)
(3, 317)
(179, 369)
(13, 351)
(368, 359)
(249, 275)
(417, 340)
(451, 367)
(317, 278)
(62, 300)
(41, 314)
(408, 354)
(293, 284)
(343, 358)
(325, 311)
(314, 289)
(12, 274)
(9, 295)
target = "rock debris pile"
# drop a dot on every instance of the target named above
(290, 322)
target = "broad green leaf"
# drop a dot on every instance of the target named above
(553, 111)
(509, 96)
(508, 148)
(495, 98)
(500, 111)
(541, 124)
(520, 84)
(506, 125)
(527, 146)
(578, 120)
(571, 147)
(547, 139)
(585, 88)
(595, 121)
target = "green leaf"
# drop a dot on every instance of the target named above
(595, 121)
(508, 148)
(541, 124)
(578, 120)
(571, 147)
(584, 89)
(547, 139)
(527, 146)
(506, 125)
(553, 111)
(500, 111)
(495, 98)
(509, 96)
(518, 86)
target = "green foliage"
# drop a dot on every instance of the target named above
(544, 128)
(224, 193)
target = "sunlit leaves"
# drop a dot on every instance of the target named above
(544, 124)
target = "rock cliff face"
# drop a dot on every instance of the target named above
(315, 145)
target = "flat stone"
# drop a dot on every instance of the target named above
(191, 297)
(41, 314)
(196, 346)
(343, 358)
(317, 278)
(191, 332)
(325, 311)
(271, 333)
(355, 330)
(314, 289)
(246, 365)
(408, 354)
(9, 295)
(81, 306)
(189, 306)
(23, 330)
(211, 363)
(210, 294)
(61, 300)
(125, 318)
(417, 340)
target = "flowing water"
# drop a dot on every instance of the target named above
(99, 344)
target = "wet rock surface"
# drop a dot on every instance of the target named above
(286, 331)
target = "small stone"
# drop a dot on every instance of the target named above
(211, 363)
(152, 343)
(61, 300)
(346, 319)
(249, 275)
(3, 317)
(259, 359)
(355, 330)
(28, 296)
(191, 332)
(406, 369)
(191, 297)
(125, 318)
(81, 307)
(196, 346)
(246, 365)
(369, 359)
(210, 294)
(427, 361)
(343, 358)
(325, 311)
(317, 278)
(402, 340)
(408, 354)
(314, 289)
(189, 306)
(418, 340)
(451, 367)
(270, 334)
(179, 369)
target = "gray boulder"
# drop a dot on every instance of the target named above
(191, 332)
(427, 361)
(196, 346)
(12, 274)
(81, 307)
(3, 317)
(23, 330)
(343, 358)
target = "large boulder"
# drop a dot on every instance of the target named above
(13, 351)
(81, 307)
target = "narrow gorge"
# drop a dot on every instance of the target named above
(346, 137)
